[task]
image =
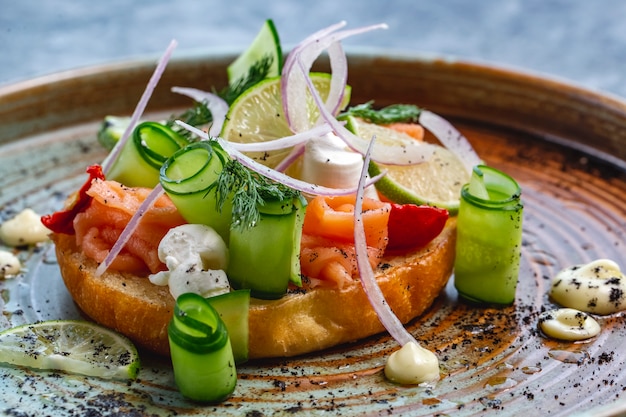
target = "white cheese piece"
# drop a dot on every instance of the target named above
(196, 257)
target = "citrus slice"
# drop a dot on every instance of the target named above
(257, 115)
(436, 182)
(72, 346)
(266, 44)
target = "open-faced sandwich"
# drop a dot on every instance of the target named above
(257, 200)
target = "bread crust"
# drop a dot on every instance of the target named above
(298, 323)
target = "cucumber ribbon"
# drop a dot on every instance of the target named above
(489, 237)
(263, 251)
(189, 178)
(201, 352)
(141, 157)
(265, 257)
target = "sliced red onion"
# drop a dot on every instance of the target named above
(339, 79)
(293, 156)
(303, 186)
(130, 228)
(141, 106)
(272, 174)
(216, 104)
(292, 86)
(295, 52)
(285, 142)
(451, 138)
(368, 279)
(414, 152)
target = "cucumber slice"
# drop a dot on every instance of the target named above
(111, 130)
(141, 158)
(266, 44)
(233, 310)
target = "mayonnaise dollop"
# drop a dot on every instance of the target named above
(597, 287)
(568, 324)
(412, 364)
(10, 265)
(196, 257)
(24, 229)
(328, 162)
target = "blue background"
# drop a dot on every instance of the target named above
(582, 42)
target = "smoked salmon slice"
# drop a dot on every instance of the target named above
(99, 226)
(327, 254)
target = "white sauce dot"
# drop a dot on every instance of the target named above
(598, 287)
(412, 364)
(24, 229)
(568, 324)
(10, 265)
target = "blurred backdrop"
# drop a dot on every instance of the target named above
(581, 41)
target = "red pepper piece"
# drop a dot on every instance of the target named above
(412, 226)
(63, 221)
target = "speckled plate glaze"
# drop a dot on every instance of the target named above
(566, 146)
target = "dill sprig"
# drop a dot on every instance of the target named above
(256, 73)
(249, 191)
(390, 114)
(198, 115)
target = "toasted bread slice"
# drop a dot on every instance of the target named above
(300, 322)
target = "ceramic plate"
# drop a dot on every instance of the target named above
(566, 146)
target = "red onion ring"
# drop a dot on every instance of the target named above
(307, 52)
(285, 142)
(413, 153)
(141, 106)
(216, 104)
(293, 156)
(368, 279)
(290, 60)
(130, 228)
(451, 138)
(339, 80)
(303, 186)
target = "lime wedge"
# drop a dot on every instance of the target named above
(437, 182)
(265, 44)
(72, 346)
(257, 115)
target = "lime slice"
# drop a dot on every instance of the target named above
(436, 182)
(257, 115)
(265, 44)
(72, 346)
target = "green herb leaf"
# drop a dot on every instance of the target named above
(198, 115)
(390, 114)
(250, 191)
(257, 72)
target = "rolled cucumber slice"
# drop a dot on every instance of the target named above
(233, 309)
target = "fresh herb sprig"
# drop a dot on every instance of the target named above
(390, 114)
(249, 191)
(199, 114)
(256, 73)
